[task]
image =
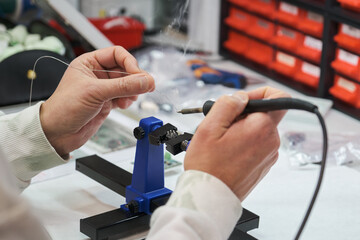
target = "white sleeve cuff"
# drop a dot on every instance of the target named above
(212, 199)
(25, 144)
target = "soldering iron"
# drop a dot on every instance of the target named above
(266, 105)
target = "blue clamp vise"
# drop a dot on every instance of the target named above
(144, 189)
(148, 175)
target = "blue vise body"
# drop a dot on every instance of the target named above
(148, 176)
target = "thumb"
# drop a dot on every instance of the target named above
(225, 111)
(126, 86)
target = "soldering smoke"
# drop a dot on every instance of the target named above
(178, 24)
(178, 20)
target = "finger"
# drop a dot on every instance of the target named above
(124, 102)
(270, 93)
(272, 117)
(116, 56)
(117, 72)
(224, 112)
(133, 98)
(100, 72)
(267, 92)
(131, 85)
(93, 125)
(88, 62)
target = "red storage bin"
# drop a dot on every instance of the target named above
(260, 53)
(266, 8)
(238, 19)
(241, 3)
(288, 14)
(347, 64)
(308, 74)
(124, 31)
(346, 91)
(236, 43)
(311, 23)
(286, 38)
(285, 64)
(348, 38)
(261, 29)
(310, 49)
(350, 4)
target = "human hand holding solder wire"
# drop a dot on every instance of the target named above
(239, 152)
(85, 97)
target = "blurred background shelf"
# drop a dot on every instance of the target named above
(339, 68)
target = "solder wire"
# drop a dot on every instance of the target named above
(67, 64)
(80, 69)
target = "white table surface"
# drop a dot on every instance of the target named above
(280, 199)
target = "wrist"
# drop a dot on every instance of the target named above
(200, 192)
(49, 131)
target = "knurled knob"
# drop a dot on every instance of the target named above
(139, 133)
(133, 206)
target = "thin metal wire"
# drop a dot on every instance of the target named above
(67, 64)
(156, 92)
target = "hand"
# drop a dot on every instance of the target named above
(84, 97)
(237, 151)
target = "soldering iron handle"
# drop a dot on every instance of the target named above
(207, 106)
(266, 105)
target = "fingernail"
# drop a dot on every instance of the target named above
(143, 82)
(242, 96)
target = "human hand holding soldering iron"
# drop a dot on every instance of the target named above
(85, 97)
(239, 152)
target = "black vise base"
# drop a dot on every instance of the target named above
(248, 221)
(240, 235)
(114, 224)
(118, 223)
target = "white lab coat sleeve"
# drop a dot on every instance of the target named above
(16, 219)
(201, 207)
(25, 145)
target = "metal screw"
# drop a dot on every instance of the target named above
(184, 145)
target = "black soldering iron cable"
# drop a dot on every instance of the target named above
(321, 175)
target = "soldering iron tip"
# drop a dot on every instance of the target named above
(190, 110)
